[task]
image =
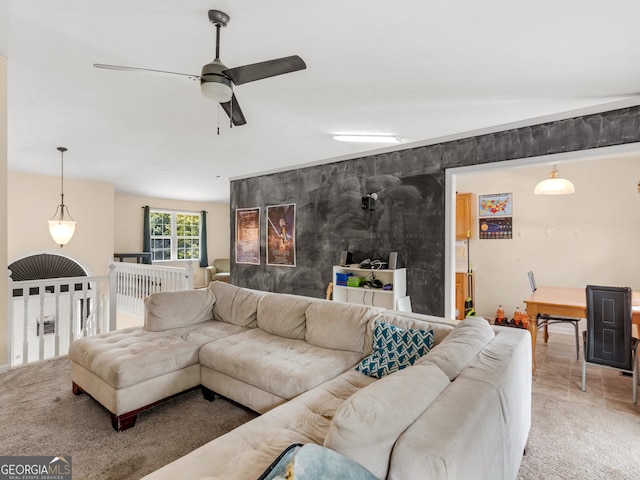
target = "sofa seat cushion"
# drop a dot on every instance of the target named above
(245, 452)
(284, 367)
(222, 277)
(126, 357)
(366, 426)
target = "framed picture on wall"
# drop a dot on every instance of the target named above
(495, 205)
(248, 236)
(281, 235)
(496, 228)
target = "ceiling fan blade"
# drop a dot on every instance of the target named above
(234, 111)
(270, 68)
(144, 70)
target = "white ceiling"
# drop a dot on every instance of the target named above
(418, 69)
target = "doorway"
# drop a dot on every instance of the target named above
(566, 241)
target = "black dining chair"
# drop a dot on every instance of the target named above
(544, 320)
(607, 340)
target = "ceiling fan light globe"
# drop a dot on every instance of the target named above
(215, 90)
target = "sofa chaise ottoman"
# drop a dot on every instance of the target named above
(131, 370)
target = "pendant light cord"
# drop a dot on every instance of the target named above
(62, 150)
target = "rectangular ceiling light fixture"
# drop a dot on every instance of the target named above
(367, 138)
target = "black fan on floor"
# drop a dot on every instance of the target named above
(217, 81)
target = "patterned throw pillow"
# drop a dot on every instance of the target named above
(394, 349)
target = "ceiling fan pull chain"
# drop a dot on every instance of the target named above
(218, 119)
(231, 110)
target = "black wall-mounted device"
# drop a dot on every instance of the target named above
(369, 202)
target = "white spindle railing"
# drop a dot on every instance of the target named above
(47, 315)
(136, 281)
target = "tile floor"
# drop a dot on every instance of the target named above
(559, 374)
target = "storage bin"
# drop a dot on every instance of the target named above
(355, 281)
(341, 278)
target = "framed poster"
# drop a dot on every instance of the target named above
(248, 236)
(495, 205)
(281, 235)
(497, 228)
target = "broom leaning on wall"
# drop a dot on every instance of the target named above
(469, 311)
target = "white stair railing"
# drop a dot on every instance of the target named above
(45, 316)
(136, 281)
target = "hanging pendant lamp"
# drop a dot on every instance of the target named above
(554, 185)
(61, 225)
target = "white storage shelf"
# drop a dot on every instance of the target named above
(377, 297)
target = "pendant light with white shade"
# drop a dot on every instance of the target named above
(62, 226)
(554, 185)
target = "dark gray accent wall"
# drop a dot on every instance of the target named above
(409, 215)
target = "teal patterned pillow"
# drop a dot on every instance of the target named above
(394, 349)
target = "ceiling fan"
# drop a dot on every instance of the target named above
(217, 81)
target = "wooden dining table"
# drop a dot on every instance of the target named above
(566, 302)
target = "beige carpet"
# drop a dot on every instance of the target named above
(39, 415)
(571, 441)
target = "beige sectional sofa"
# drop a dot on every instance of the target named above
(461, 411)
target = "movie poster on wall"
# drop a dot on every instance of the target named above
(248, 236)
(281, 235)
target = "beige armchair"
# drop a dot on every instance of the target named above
(220, 270)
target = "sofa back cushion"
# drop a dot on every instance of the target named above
(235, 305)
(461, 346)
(410, 321)
(340, 326)
(283, 315)
(441, 327)
(366, 426)
(167, 310)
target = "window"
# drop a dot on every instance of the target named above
(174, 235)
